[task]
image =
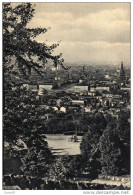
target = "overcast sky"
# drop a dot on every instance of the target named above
(89, 32)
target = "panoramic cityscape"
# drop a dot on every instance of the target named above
(66, 116)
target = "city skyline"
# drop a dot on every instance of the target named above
(87, 32)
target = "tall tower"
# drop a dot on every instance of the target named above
(122, 76)
(82, 76)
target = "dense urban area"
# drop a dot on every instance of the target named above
(85, 104)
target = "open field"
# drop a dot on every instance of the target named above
(60, 144)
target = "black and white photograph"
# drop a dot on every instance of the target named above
(66, 121)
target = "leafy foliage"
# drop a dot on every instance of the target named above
(111, 141)
(109, 146)
(21, 108)
(38, 158)
(21, 113)
(114, 145)
(123, 127)
(22, 120)
(66, 167)
(19, 41)
(96, 125)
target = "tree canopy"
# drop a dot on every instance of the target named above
(21, 117)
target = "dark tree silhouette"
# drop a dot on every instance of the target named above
(114, 146)
(21, 112)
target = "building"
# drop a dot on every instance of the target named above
(93, 88)
(88, 109)
(33, 88)
(58, 102)
(63, 109)
(102, 88)
(55, 108)
(125, 89)
(46, 86)
(80, 88)
(122, 75)
(77, 102)
(91, 93)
